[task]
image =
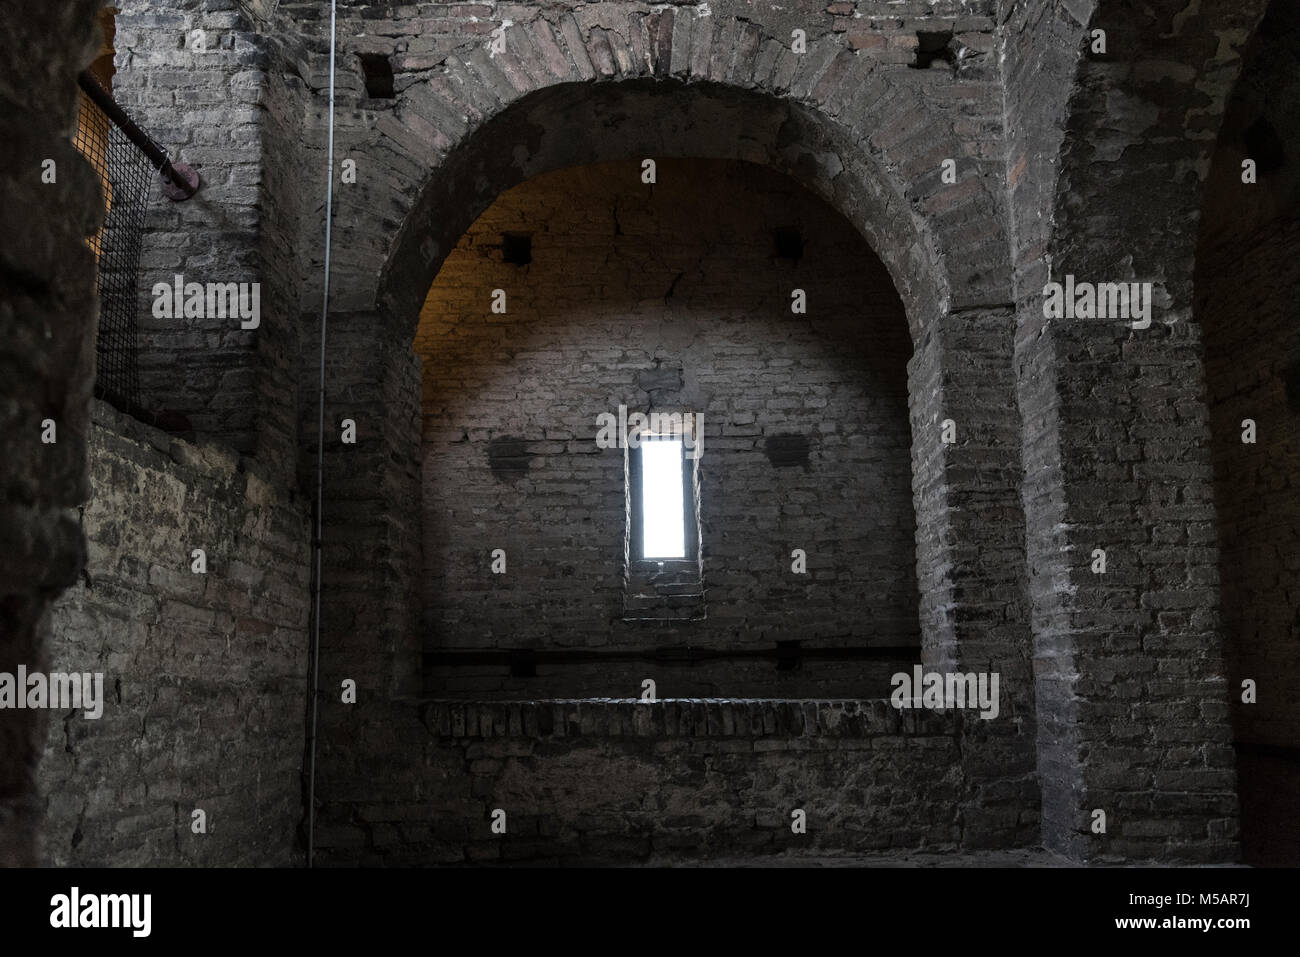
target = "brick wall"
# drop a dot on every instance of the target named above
(1090, 164)
(618, 782)
(668, 297)
(1040, 45)
(1246, 282)
(1128, 664)
(204, 674)
(195, 76)
(851, 119)
(1249, 360)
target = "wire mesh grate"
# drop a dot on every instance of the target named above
(126, 177)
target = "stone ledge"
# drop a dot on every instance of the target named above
(204, 457)
(681, 718)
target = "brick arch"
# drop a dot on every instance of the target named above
(1141, 125)
(1114, 424)
(539, 134)
(482, 122)
(859, 129)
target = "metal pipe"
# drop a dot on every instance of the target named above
(320, 470)
(186, 185)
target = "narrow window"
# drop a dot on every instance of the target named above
(664, 578)
(663, 499)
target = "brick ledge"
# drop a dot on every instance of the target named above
(681, 718)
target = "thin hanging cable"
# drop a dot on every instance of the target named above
(320, 470)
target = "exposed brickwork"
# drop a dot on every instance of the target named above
(860, 131)
(900, 121)
(372, 557)
(1247, 280)
(196, 76)
(1116, 434)
(1069, 435)
(667, 297)
(203, 673)
(670, 718)
(1041, 40)
(621, 781)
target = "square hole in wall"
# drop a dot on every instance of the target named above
(517, 248)
(933, 46)
(508, 458)
(378, 75)
(787, 655)
(523, 664)
(788, 243)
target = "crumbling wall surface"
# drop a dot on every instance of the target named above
(50, 199)
(1112, 111)
(194, 608)
(623, 781)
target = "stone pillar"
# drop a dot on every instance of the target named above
(371, 553)
(970, 556)
(1132, 697)
(1106, 164)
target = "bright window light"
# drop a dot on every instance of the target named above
(663, 515)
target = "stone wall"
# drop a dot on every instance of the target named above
(672, 296)
(1071, 435)
(619, 781)
(204, 673)
(196, 76)
(1247, 280)
(47, 322)
(1129, 667)
(1040, 45)
(853, 119)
